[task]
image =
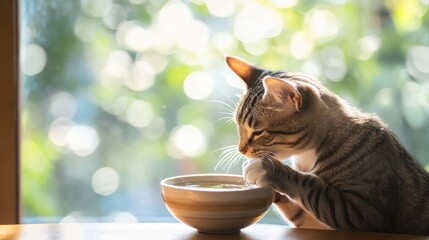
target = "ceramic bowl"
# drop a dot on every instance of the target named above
(217, 209)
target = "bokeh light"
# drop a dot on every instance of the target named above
(224, 42)
(96, 8)
(140, 113)
(125, 217)
(257, 22)
(221, 8)
(119, 64)
(58, 131)
(335, 68)
(174, 18)
(187, 141)
(85, 28)
(367, 46)
(63, 104)
(198, 85)
(418, 62)
(82, 140)
(143, 76)
(194, 37)
(322, 23)
(105, 181)
(115, 16)
(301, 45)
(33, 59)
(285, 3)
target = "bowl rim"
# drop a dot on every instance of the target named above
(165, 184)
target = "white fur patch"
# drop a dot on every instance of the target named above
(254, 172)
(304, 161)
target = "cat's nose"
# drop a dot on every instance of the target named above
(243, 149)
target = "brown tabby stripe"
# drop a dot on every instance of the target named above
(360, 198)
(345, 211)
(251, 103)
(352, 153)
(339, 204)
(298, 141)
(295, 143)
(338, 208)
(341, 154)
(277, 132)
(252, 136)
(250, 121)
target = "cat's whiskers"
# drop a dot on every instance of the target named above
(227, 119)
(223, 156)
(228, 158)
(229, 110)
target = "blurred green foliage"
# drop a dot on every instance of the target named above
(112, 90)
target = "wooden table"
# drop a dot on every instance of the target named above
(163, 231)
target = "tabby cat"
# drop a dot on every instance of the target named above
(350, 172)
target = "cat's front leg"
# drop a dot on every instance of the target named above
(255, 172)
(295, 214)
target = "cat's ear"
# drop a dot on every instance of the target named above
(282, 92)
(248, 72)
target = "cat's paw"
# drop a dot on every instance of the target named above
(255, 173)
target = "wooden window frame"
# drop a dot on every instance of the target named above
(10, 202)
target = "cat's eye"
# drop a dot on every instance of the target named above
(257, 133)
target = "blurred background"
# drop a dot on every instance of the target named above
(119, 94)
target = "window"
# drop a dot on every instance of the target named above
(116, 95)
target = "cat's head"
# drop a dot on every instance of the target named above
(280, 113)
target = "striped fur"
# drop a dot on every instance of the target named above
(351, 172)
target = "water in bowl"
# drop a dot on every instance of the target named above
(214, 185)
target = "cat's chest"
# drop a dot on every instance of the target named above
(304, 161)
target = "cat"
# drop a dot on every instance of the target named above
(350, 172)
